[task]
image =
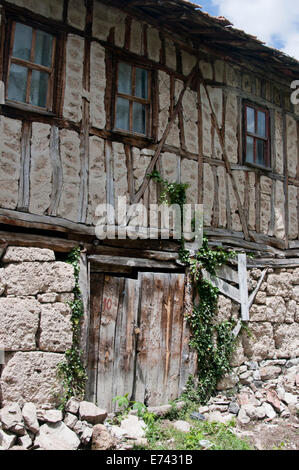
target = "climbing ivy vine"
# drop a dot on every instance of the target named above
(213, 342)
(72, 371)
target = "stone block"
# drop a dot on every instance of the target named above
(259, 344)
(31, 377)
(55, 328)
(19, 320)
(39, 278)
(18, 254)
(287, 340)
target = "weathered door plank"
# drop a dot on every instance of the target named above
(125, 340)
(96, 291)
(110, 304)
(160, 342)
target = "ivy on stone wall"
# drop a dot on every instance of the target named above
(72, 371)
(213, 342)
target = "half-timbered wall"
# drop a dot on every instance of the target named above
(64, 165)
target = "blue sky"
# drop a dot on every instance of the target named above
(276, 22)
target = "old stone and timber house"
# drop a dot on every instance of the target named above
(94, 96)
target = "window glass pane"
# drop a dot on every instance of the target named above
(139, 118)
(124, 78)
(17, 84)
(250, 120)
(260, 152)
(141, 89)
(22, 42)
(39, 89)
(249, 149)
(123, 114)
(43, 49)
(261, 123)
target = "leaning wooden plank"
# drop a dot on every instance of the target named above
(224, 287)
(131, 262)
(253, 294)
(43, 222)
(228, 274)
(243, 286)
(237, 329)
(171, 121)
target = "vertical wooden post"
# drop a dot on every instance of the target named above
(84, 284)
(243, 286)
(24, 186)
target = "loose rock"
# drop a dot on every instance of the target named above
(91, 413)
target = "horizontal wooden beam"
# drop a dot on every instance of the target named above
(43, 222)
(131, 262)
(273, 263)
(37, 241)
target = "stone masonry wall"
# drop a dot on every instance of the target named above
(35, 324)
(268, 349)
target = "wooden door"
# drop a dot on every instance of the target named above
(137, 337)
(114, 312)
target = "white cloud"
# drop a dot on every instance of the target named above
(275, 22)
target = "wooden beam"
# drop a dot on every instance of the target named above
(38, 241)
(57, 180)
(131, 262)
(225, 288)
(24, 184)
(43, 222)
(254, 293)
(243, 286)
(273, 263)
(84, 285)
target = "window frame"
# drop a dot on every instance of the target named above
(131, 98)
(30, 65)
(256, 137)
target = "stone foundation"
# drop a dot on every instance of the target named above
(266, 361)
(273, 329)
(35, 324)
(35, 329)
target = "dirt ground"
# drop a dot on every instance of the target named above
(278, 434)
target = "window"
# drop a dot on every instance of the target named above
(31, 67)
(257, 139)
(133, 99)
